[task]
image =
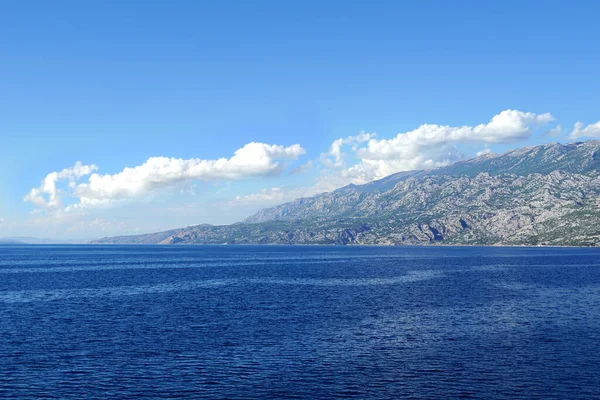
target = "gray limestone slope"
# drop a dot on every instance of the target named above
(582, 158)
(547, 194)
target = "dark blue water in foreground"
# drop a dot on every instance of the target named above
(301, 322)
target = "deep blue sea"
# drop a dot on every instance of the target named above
(276, 322)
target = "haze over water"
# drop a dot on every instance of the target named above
(299, 322)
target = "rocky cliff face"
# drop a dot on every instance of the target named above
(539, 195)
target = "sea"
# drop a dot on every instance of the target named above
(299, 322)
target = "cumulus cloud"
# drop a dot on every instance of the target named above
(483, 152)
(506, 127)
(555, 132)
(335, 156)
(47, 195)
(254, 159)
(581, 130)
(428, 146)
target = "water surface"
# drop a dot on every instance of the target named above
(299, 322)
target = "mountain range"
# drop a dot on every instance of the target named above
(541, 195)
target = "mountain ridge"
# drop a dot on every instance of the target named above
(546, 194)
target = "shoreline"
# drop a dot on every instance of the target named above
(305, 245)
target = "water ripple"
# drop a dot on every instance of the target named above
(23, 296)
(252, 322)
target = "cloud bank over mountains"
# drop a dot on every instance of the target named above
(353, 159)
(428, 146)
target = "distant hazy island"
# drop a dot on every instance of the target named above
(542, 195)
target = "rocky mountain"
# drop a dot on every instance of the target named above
(542, 195)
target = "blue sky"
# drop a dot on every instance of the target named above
(113, 84)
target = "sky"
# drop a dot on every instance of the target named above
(124, 117)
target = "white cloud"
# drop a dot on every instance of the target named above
(275, 195)
(47, 195)
(303, 168)
(270, 195)
(428, 146)
(335, 157)
(555, 132)
(254, 159)
(506, 127)
(483, 152)
(580, 130)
